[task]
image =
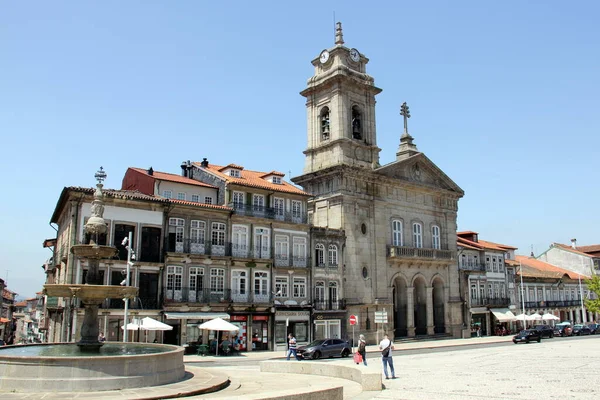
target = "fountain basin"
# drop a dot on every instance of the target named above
(88, 293)
(62, 368)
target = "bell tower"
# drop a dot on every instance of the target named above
(340, 108)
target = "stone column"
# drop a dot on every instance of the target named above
(429, 300)
(446, 311)
(410, 311)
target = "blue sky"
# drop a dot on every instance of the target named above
(503, 97)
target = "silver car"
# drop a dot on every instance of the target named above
(325, 348)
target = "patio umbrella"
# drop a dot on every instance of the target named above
(535, 317)
(150, 324)
(550, 317)
(218, 324)
(132, 326)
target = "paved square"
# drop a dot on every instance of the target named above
(561, 368)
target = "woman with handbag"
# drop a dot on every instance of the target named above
(362, 349)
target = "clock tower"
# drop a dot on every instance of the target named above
(340, 103)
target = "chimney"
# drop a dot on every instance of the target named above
(204, 163)
(150, 171)
(190, 169)
(574, 243)
(184, 169)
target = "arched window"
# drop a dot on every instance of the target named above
(324, 120)
(320, 255)
(417, 235)
(397, 232)
(435, 237)
(333, 255)
(356, 123)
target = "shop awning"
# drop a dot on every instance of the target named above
(503, 314)
(195, 315)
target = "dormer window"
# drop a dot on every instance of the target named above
(277, 180)
(234, 173)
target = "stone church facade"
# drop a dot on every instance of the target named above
(399, 219)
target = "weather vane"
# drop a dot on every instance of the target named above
(100, 175)
(405, 112)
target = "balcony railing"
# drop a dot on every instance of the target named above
(402, 252)
(187, 295)
(284, 260)
(552, 303)
(269, 212)
(492, 302)
(197, 246)
(323, 305)
(238, 296)
(471, 267)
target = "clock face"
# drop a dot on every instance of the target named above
(354, 55)
(324, 57)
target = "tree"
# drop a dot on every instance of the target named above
(593, 285)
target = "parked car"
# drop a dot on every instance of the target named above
(563, 329)
(594, 328)
(325, 348)
(545, 331)
(527, 335)
(581, 329)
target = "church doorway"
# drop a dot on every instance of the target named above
(420, 297)
(400, 317)
(438, 306)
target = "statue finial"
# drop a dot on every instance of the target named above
(339, 36)
(95, 224)
(405, 112)
(100, 175)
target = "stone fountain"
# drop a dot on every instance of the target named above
(87, 365)
(92, 293)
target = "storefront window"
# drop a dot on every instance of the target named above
(301, 331)
(280, 333)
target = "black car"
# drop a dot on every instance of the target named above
(527, 335)
(325, 348)
(594, 328)
(545, 331)
(581, 329)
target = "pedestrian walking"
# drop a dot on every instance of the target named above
(362, 348)
(292, 347)
(386, 346)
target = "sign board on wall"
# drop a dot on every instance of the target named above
(381, 317)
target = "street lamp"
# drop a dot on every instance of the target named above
(522, 293)
(127, 243)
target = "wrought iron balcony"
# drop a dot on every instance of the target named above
(552, 303)
(490, 302)
(245, 296)
(403, 252)
(325, 305)
(471, 267)
(269, 212)
(198, 246)
(187, 295)
(284, 260)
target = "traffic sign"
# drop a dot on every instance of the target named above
(353, 320)
(381, 317)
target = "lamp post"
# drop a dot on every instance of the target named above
(522, 293)
(127, 243)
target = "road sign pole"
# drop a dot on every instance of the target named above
(352, 339)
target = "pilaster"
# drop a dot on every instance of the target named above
(429, 305)
(410, 311)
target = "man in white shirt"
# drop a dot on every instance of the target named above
(386, 346)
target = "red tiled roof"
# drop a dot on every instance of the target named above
(481, 244)
(165, 176)
(21, 304)
(570, 248)
(276, 173)
(594, 248)
(535, 268)
(235, 166)
(252, 179)
(201, 205)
